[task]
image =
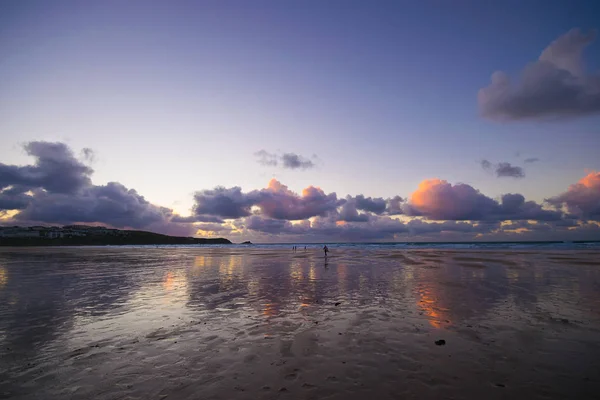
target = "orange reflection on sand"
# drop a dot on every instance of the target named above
(296, 272)
(270, 310)
(231, 266)
(169, 282)
(427, 303)
(3, 277)
(174, 287)
(312, 272)
(200, 261)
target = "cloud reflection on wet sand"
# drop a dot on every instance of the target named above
(240, 323)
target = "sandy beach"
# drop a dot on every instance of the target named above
(244, 323)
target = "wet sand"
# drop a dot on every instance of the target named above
(243, 323)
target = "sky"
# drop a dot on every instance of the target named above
(303, 120)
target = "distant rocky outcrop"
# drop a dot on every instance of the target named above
(81, 235)
(247, 242)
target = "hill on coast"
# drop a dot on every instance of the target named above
(82, 235)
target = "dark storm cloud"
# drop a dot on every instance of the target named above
(111, 204)
(374, 205)
(503, 169)
(582, 199)
(274, 226)
(369, 205)
(224, 202)
(554, 86)
(55, 170)
(348, 212)
(57, 189)
(514, 207)
(14, 198)
(394, 205)
(286, 160)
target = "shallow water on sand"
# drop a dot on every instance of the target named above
(243, 323)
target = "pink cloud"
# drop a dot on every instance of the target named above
(582, 198)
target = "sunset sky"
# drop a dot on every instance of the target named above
(303, 120)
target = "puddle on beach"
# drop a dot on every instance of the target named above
(206, 323)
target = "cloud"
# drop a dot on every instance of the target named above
(112, 204)
(394, 206)
(266, 158)
(294, 161)
(55, 169)
(503, 169)
(554, 86)
(214, 227)
(286, 160)
(274, 226)
(34, 194)
(369, 205)
(436, 199)
(582, 198)
(420, 227)
(277, 201)
(349, 213)
(224, 202)
(531, 160)
(375, 228)
(439, 200)
(88, 154)
(57, 189)
(375, 205)
(197, 218)
(514, 207)
(14, 198)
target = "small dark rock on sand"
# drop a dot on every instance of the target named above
(337, 304)
(440, 342)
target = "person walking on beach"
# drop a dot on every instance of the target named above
(325, 249)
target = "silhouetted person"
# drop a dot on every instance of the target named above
(325, 249)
